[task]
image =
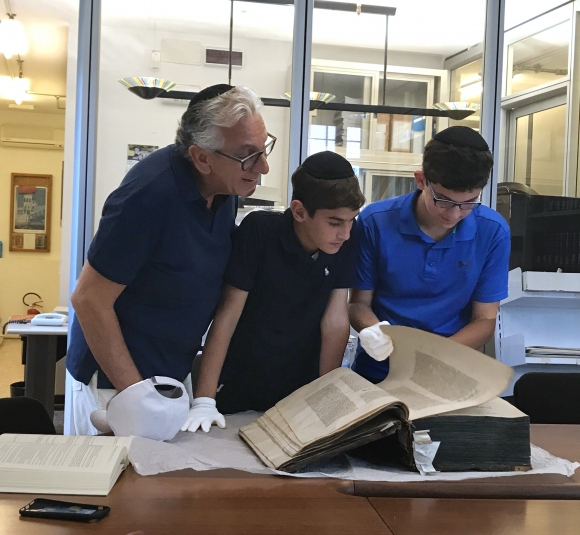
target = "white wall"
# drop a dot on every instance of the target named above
(369, 55)
(125, 119)
(22, 272)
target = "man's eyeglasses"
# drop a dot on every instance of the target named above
(249, 161)
(448, 203)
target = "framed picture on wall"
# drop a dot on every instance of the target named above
(30, 211)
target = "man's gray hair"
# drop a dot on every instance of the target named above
(201, 124)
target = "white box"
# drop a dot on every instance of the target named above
(542, 281)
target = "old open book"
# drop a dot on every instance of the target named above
(429, 375)
(53, 464)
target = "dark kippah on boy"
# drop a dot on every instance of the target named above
(435, 259)
(283, 319)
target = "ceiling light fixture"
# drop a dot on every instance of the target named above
(149, 88)
(19, 85)
(13, 39)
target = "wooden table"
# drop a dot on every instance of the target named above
(224, 502)
(212, 503)
(418, 516)
(183, 503)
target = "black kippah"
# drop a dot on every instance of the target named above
(208, 93)
(462, 136)
(327, 165)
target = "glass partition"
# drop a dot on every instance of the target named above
(466, 86)
(348, 61)
(539, 59)
(539, 149)
(190, 48)
(349, 129)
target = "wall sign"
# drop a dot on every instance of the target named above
(221, 56)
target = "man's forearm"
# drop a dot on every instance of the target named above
(476, 333)
(105, 340)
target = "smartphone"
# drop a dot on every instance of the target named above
(59, 510)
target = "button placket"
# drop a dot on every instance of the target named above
(431, 263)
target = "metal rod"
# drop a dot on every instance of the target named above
(45, 94)
(335, 6)
(231, 41)
(491, 111)
(299, 87)
(385, 66)
(341, 106)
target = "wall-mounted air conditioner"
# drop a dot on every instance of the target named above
(31, 137)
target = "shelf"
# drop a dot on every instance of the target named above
(555, 213)
(574, 361)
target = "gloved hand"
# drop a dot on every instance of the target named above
(203, 413)
(377, 344)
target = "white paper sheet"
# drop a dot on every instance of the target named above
(222, 448)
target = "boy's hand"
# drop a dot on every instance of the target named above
(203, 413)
(377, 344)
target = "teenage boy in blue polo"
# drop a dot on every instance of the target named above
(283, 317)
(435, 259)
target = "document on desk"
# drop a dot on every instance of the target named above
(553, 350)
(56, 464)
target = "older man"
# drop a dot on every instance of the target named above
(149, 288)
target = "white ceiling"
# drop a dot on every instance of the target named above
(442, 27)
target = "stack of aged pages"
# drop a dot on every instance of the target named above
(429, 375)
(493, 437)
(52, 464)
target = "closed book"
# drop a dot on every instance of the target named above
(56, 464)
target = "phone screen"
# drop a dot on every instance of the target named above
(61, 510)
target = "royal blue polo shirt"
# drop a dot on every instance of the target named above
(275, 348)
(158, 238)
(427, 284)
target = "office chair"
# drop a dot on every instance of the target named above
(24, 415)
(548, 397)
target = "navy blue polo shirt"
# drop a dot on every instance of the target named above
(427, 284)
(158, 238)
(275, 348)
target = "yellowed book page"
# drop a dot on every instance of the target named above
(496, 408)
(268, 451)
(58, 457)
(433, 375)
(330, 404)
(64, 439)
(279, 431)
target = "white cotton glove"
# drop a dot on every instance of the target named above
(203, 413)
(375, 342)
